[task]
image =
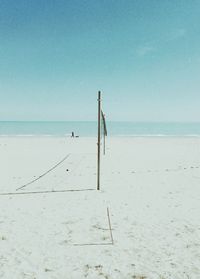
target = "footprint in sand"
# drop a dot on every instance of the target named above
(117, 270)
(139, 277)
(87, 267)
(105, 238)
(2, 237)
(48, 270)
(98, 267)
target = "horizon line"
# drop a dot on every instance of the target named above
(129, 121)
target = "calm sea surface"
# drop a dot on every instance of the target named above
(89, 128)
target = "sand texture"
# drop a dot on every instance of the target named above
(144, 223)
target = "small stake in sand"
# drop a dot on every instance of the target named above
(110, 228)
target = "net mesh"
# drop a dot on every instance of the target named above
(103, 125)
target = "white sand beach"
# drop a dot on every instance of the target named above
(57, 225)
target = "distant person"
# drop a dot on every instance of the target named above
(72, 135)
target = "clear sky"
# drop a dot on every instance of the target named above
(56, 54)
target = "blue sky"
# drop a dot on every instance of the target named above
(144, 56)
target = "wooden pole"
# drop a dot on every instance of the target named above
(99, 141)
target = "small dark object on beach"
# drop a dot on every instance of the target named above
(67, 169)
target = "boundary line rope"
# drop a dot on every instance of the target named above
(42, 175)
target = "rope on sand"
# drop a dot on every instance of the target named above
(45, 192)
(102, 243)
(42, 175)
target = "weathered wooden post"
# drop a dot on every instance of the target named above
(99, 141)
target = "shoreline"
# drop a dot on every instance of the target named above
(108, 137)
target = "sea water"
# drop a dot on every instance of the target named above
(89, 128)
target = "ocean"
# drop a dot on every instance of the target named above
(89, 128)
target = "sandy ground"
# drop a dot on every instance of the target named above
(151, 187)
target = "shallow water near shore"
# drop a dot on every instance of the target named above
(89, 128)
